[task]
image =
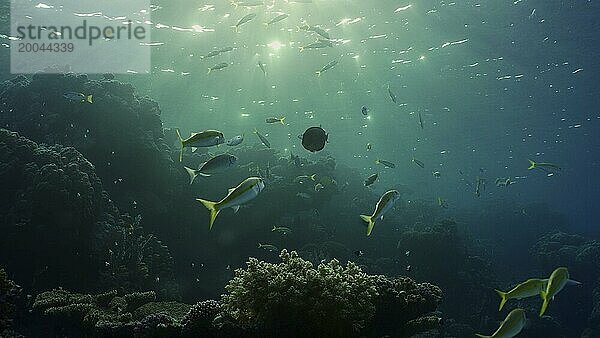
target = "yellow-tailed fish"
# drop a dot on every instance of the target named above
(303, 178)
(215, 165)
(315, 29)
(328, 66)
(283, 230)
(557, 281)
(529, 288)
(263, 66)
(317, 45)
(268, 247)
(244, 20)
(371, 179)
(543, 165)
(384, 204)
(217, 67)
(391, 94)
(207, 138)
(385, 163)
(244, 192)
(275, 120)
(278, 18)
(419, 163)
(262, 139)
(78, 97)
(510, 326)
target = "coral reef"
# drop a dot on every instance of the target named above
(580, 255)
(293, 298)
(402, 300)
(561, 249)
(466, 276)
(10, 302)
(107, 314)
(198, 322)
(119, 131)
(56, 213)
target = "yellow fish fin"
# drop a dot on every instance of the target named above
(504, 299)
(193, 174)
(370, 223)
(212, 207)
(180, 140)
(545, 300)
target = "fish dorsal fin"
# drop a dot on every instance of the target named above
(194, 149)
(230, 190)
(235, 208)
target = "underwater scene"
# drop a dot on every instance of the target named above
(307, 168)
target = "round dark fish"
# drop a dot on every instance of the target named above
(314, 139)
(365, 110)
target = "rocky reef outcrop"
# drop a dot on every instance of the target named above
(581, 308)
(11, 304)
(438, 254)
(59, 219)
(118, 132)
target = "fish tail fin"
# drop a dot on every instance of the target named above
(544, 296)
(282, 120)
(312, 177)
(193, 174)
(482, 336)
(503, 299)
(318, 72)
(377, 161)
(370, 223)
(301, 49)
(89, 99)
(212, 207)
(180, 140)
(531, 164)
(209, 70)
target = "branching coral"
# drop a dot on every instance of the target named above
(293, 297)
(198, 322)
(134, 314)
